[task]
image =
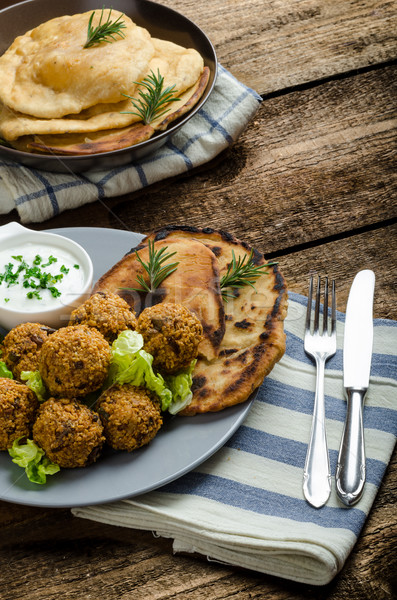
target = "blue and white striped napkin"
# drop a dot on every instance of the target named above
(39, 195)
(244, 506)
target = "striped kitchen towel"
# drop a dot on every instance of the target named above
(244, 506)
(38, 195)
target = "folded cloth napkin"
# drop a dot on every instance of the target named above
(244, 506)
(39, 195)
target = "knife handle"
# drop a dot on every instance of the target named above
(350, 468)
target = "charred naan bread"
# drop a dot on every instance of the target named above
(253, 339)
(195, 284)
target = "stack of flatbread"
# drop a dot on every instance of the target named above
(57, 96)
(243, 337)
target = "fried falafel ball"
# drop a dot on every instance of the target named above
(74, 361)
(107, 312)
(18, 409)
(69, 432)
(172, 334)
(130, 416)
(22, 345)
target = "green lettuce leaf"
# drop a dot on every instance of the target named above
(180, 386)
(133, 365)
(4, 372)
(35, 383)
(33, 459)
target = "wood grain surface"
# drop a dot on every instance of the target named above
(305, 168)
(276, 44)
(312, 183)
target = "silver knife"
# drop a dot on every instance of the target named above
(357, 354)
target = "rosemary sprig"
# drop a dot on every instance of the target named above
(155, 268)
(152, 102)
(103, 31)
(241, 272)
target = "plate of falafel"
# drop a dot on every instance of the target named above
(100, 406)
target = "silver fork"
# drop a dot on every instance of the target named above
(320, 345)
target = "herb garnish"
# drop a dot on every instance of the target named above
(151, 104)
(155, 268)
(34, 294)
(241, 272)
(32, 276)
(103, 31)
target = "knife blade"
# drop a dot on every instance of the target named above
(357, 356)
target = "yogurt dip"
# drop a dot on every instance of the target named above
(43, 276)
(33, 277)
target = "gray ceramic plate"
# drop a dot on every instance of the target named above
(182, 444)
(160, 21)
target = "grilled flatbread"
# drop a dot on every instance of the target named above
(195, 284)
(253, 337)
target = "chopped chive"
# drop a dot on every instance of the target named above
(34, 294)
(54, 292)
(32, 276)
(51, 260)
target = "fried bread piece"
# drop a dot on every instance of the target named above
(115, 139)
(195, 284)
(64, 98)
(48, 73)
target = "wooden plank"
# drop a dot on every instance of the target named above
(277, 44)
(312, 164)
(11, 514)
(342, 259)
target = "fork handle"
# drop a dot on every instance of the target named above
(350, 468)
(317, 472)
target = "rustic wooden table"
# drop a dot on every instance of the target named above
(310, 183)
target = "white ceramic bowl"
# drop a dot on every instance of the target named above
(14, 237)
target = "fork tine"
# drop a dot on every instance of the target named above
(317, 306)
(309, 304)
(325, 307)
(333, 308)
